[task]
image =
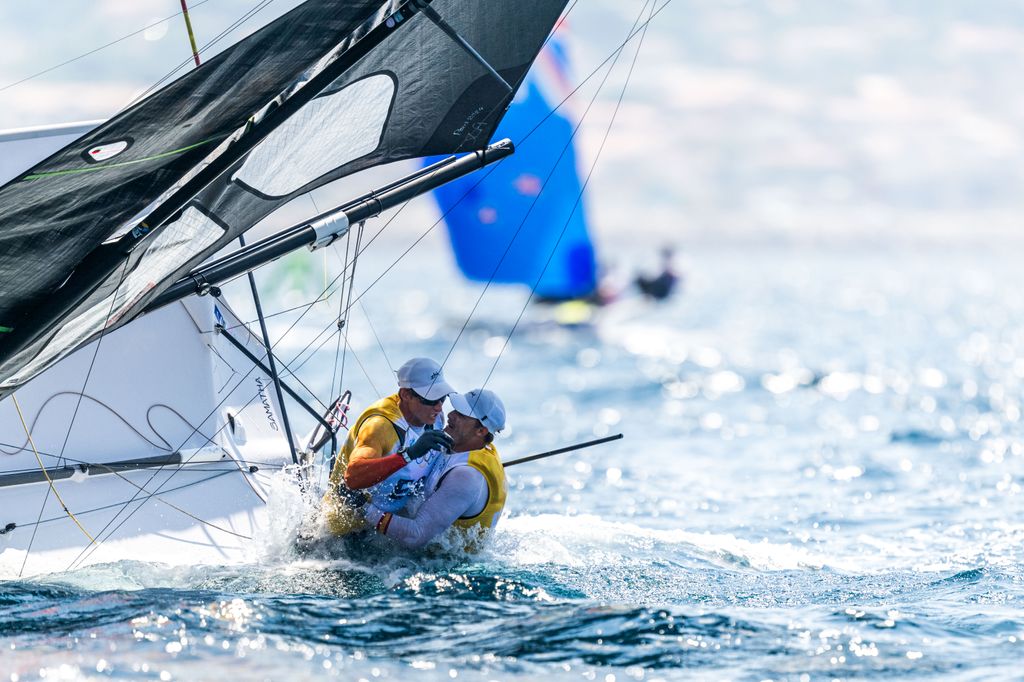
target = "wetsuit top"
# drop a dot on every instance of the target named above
(467, 492)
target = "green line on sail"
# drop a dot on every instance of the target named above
(73, 171)
(4, 330)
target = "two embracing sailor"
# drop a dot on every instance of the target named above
(405, 474)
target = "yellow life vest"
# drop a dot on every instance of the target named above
(340, 517)
(487, 462)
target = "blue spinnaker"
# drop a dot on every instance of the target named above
(524, 217)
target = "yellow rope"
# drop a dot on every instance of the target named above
(46, 473)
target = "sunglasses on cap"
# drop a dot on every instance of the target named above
(428, 403)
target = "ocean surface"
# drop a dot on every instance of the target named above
(820, 479)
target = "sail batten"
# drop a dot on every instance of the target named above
(332, 87)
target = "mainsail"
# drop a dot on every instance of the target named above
(92, 234)
(523, 220)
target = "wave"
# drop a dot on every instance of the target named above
(573, 540)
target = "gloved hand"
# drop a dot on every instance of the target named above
(430, 440)
(353, 498)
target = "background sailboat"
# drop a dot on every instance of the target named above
(524, 221)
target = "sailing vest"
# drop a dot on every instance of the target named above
(341, 518)
(404, 492)
(487, 462)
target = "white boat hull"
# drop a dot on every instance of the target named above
(168, 390)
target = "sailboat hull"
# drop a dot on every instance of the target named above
(175, 468)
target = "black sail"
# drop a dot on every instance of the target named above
(90, 235)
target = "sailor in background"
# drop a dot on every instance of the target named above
(386, 437)
(659, 287)
(465, 489)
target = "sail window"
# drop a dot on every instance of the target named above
(177, 243)
(325, 134)
(102, 152)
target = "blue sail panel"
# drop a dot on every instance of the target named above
(524, 219)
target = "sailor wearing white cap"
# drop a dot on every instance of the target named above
(388, 435)
(468, 489)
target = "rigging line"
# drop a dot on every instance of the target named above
(210, 441)
(309, 306)
(71, 424)
(14, 398)
(564, 17)
(124, 507)
(260, 6)
(39, 412)
(341, 303)
(125, 421)
(590, 173)
(217, 474)
(170, 504)
(614, 54)
(354, 356)
(494, 167)
(380, 345)
(348, 307)
(142, 488)
(179, 415)
(536, 199)
(195, 430)
(95, 50)
(373, 331)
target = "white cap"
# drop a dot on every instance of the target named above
(424, 376)
(482, 405)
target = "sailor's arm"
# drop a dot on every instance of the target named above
(462, 492)
(366, 465)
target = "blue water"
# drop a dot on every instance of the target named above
(821, 478)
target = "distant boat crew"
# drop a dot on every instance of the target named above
(660, 286)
